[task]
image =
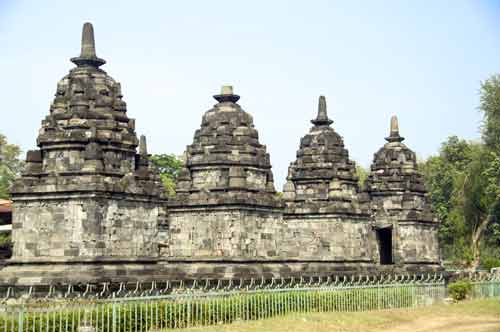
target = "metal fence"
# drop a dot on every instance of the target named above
(485, 285)
(171, 305)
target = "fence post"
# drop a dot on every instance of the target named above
(86, 326)
(21, 320)
(113, 317)
(378, 297)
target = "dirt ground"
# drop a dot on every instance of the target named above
(449, 324)
(469, 316)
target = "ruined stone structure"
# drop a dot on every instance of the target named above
(90, 202)
(405, 226)
(226, 204)
(86, 192)
(326, 214)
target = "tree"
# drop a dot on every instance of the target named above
(10, 165)
(464, 185)
(442, 173)
(168, 166)
(477, 198)
(490, 107)
(462, 182)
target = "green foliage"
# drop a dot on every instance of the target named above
(168, 166)
(459, 290)
(489, 262)
(439, 177)
(490, 106)
(464, 186)
(362, 174)
(5, 245)
(451, 180)
(5, 239)
(10, 165)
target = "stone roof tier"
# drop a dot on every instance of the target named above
(394, 166)
(87, 142)
(322, 179)
(395, 185)
(226, 164)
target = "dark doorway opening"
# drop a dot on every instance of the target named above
(384, 236)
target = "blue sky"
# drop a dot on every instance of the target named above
(420, 60)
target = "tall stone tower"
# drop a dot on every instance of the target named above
(326, 215)
(405, 227)
(86, 193)
(226, 204)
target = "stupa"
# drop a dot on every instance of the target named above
(86, 193)
(226, 204)
(326, 214)
(405, 225)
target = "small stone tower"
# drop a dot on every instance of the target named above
(327, 217)
(85, 192)
(226, 204)
(405, 227)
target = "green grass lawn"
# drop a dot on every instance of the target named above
(467, 316)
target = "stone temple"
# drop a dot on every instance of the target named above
(90, 207)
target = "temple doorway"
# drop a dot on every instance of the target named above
(384, 237)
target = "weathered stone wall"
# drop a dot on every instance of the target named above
(418, 243)
(89, 227)
(414, 231)
(328, 238)
(225, 233)
(63, 160)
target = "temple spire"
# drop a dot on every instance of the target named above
(394, 133)
(322, 118)
(143, 149)
(88, 55)
(226, 95)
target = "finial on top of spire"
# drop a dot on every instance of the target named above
(322, 118)
(226, 94)
(394, 133)
(143, 149)
(88, 55)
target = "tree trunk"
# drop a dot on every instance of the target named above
(477, 235)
